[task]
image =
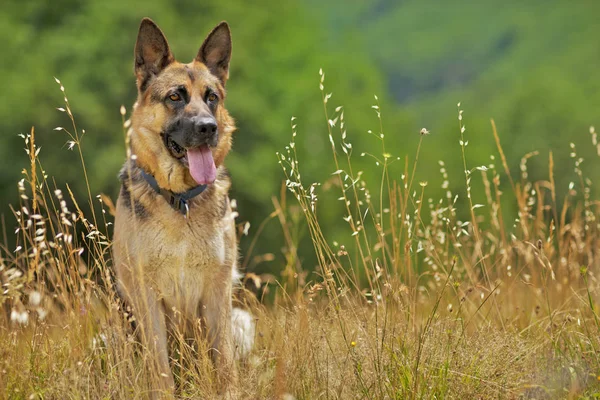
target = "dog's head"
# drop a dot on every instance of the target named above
(181, 131)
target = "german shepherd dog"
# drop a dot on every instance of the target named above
(175, 249)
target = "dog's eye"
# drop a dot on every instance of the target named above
(175, 97)
(212, 97)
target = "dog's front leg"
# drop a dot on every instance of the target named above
(152, 330)
(217, 315)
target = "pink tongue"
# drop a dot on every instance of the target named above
(202, 165)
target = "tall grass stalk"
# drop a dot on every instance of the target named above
(421, 299)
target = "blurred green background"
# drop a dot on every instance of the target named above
(532, 66)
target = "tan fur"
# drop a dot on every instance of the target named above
(163, 260)
(148, 119)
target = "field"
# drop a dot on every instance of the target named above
(427, 299)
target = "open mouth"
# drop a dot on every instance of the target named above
(199, 161)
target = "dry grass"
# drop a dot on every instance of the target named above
(418, 304)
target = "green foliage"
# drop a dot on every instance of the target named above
(530, 65)
(278, 51)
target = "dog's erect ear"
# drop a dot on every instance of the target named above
(215, 52)
(152, 53)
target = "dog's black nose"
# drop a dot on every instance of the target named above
(205, 126)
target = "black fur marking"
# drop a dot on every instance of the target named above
(139, 210)
(125, 308)
(190, 74)
(224, 173)
(156, 96)
(144, 84)
(130, 172)
(137, 207)
(224, 207)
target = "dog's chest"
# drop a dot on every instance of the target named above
(186, 255)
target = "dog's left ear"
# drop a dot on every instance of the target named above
(215, 52)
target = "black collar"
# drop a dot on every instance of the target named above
(178, 201)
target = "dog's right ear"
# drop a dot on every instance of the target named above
(152, 53)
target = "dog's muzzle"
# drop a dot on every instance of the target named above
(189, 133)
